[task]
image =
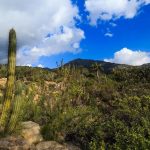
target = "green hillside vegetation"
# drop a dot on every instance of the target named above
(86, 105)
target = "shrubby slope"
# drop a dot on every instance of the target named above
(95, 105)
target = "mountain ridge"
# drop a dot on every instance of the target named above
(106, 66)
(87, 63)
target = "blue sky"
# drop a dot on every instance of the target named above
(91, 29)
(131, 33)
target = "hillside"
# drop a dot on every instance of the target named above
(107, 67)
(104, 106)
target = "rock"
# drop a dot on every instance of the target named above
(52, 145)
(31, 132)
(15, 143)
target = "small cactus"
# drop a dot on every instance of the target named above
(10, 80)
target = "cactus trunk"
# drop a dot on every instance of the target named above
(15, 116)
(10, 80)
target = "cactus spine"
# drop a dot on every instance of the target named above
(10, 80)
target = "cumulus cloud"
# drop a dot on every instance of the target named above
(44, 28)
(40, 66)
(68, 41)
(147, 1)
(130, 57)
(29, 65)
(112, 9)
(109, 34)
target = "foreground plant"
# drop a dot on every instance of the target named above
(6, 111)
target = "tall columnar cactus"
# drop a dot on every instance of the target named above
(10, 80)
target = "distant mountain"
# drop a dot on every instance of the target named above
(107, 67)
(145, 65)
(86, 63)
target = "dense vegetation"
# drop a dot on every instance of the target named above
(87, 106)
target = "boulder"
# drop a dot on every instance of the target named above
(31, 132)
(15, 143)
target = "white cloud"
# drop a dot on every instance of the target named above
(147, 1)
(113, 9)
(29, 65)
(40, 66)
(58, 43)
(130, 57)
(109, 34)
(33, 20)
